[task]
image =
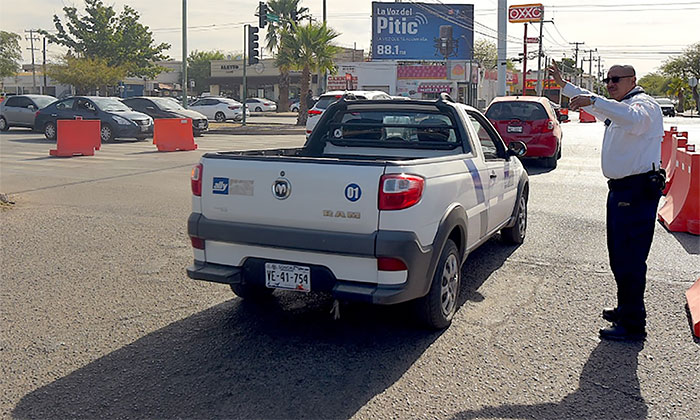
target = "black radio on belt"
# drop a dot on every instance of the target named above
(657, 178)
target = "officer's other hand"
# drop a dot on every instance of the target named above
(579, 101)
(556, 75)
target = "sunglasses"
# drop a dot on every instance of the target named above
(614, 79)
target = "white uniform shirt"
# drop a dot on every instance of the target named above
(632, 142)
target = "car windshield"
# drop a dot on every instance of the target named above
(516, 110)
(167, 104)
(43, 101)
(392, 128)
(110, 104)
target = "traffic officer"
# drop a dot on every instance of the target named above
(631, 160)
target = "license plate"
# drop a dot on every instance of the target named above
(288, 277)
(515, 129)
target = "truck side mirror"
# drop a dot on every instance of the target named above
(517, 148)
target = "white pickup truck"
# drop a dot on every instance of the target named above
(382, 205)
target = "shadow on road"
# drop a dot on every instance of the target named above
(285, 358)
(608, 389)
(689, 242)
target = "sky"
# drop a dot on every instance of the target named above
(643, 34)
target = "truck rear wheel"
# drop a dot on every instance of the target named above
(437, 308)
(249, 291)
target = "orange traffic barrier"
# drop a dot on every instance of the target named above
(681, 211)
(669, 146)
(171, 134)
(564, 111)
(692, 296)
(679, 143)
(585, 117)
(77, 137)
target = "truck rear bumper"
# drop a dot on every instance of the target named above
(394, 244)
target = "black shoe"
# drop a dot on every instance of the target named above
(618, 332)
(610, 314)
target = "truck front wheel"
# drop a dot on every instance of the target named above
(437, 308)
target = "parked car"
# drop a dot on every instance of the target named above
(19, 110)
(260, 104)
(117, 120)
(667, 106)
(164, 107)
(220, 109)
(294, 106)
(329, 97)
(532, 120)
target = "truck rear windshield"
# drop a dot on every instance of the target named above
(394, 128)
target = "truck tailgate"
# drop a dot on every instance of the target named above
(331, 196)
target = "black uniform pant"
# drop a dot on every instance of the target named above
(631, 217)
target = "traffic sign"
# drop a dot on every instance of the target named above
(532, 40)
(692, 82)
(525, 13)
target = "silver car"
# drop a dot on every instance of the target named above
(19, 110)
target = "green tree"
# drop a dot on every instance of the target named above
(486, 53)
(308, 48)
(683, 67)
(10, 54)
(655, 84)
(289, 14)
(118, 40)
(199, 68)
(85, 73)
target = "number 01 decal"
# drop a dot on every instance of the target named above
(353, 192)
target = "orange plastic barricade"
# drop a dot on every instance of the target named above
(77, 137)
(681, 211)
(692, 295)
(669, 145)
(585, 117)
(680, 144)
(171, 134)
(565, 111)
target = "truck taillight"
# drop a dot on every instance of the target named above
(197, 243)
(399, 191)
(196, 179)
(390, 264)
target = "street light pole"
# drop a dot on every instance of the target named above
(184, 53)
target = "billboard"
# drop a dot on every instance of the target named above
(422, 31)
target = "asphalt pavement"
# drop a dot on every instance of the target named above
(99, 319)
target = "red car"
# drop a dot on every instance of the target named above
(532, 120)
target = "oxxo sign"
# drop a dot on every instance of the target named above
(525, 13)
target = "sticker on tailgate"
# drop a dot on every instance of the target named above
(220, 186)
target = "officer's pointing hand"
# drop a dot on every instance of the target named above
(556, 75)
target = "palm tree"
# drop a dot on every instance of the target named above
(289, 14)
(308, 48)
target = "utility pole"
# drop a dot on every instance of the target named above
(43, 66)
(325, 72)
(524, 58)
(184, 54)
(590, 67)
(597, 90)
(540, 77)
(245, 62)
(502, 33)
(31, 39)
(576, 61)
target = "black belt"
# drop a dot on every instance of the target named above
(632, 181)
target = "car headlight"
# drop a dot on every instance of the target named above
(120, 120)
